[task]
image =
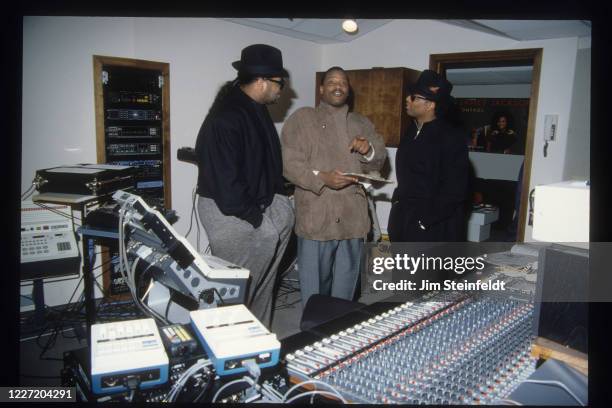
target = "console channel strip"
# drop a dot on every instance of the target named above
(448, 349)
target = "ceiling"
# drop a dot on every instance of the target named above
(320, 30)
(525, 30)
(329, 31)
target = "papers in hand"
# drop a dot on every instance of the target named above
(368, 177)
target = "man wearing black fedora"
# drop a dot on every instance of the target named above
(432, 168)
(242, 202)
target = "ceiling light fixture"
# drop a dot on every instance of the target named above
(350, 26)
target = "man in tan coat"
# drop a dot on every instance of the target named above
(319, 145)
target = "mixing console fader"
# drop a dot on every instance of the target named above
(447, 349)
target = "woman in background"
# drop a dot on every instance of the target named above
(502, 138)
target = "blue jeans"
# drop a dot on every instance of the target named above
(328, 267)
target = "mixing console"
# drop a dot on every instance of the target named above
(448, 349)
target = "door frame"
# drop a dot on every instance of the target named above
(441, 62)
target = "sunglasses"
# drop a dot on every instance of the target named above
(280, 82)
(413, 97)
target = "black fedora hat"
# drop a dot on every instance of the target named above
(431, 85)
(261, 59)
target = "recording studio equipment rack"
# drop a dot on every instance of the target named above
(132, 100)
(132, 107)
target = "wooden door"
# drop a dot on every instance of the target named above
(379, 94)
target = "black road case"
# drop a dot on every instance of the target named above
(86, 179)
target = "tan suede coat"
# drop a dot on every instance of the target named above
(318, 139)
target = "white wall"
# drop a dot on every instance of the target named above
(578, 153)
(58, 123)
(58, 99)
(555, 97)
(402, 43)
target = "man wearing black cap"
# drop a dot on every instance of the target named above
(242, 203)
(432, 169)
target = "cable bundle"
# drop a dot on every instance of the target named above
(182, 381)
(129, 273)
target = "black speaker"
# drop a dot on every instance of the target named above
(561, 311)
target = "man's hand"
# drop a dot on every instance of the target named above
(336, 180)
(360, 145)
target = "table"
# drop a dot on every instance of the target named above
(80, 203)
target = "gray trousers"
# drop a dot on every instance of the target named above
(257, 249)
(328, 267)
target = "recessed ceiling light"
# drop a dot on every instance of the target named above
(350, 26)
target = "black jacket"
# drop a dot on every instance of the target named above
(239, 158)
(432, 176)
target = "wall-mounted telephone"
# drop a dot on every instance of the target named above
(550, 130)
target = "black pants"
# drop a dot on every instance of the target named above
(404, 224)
